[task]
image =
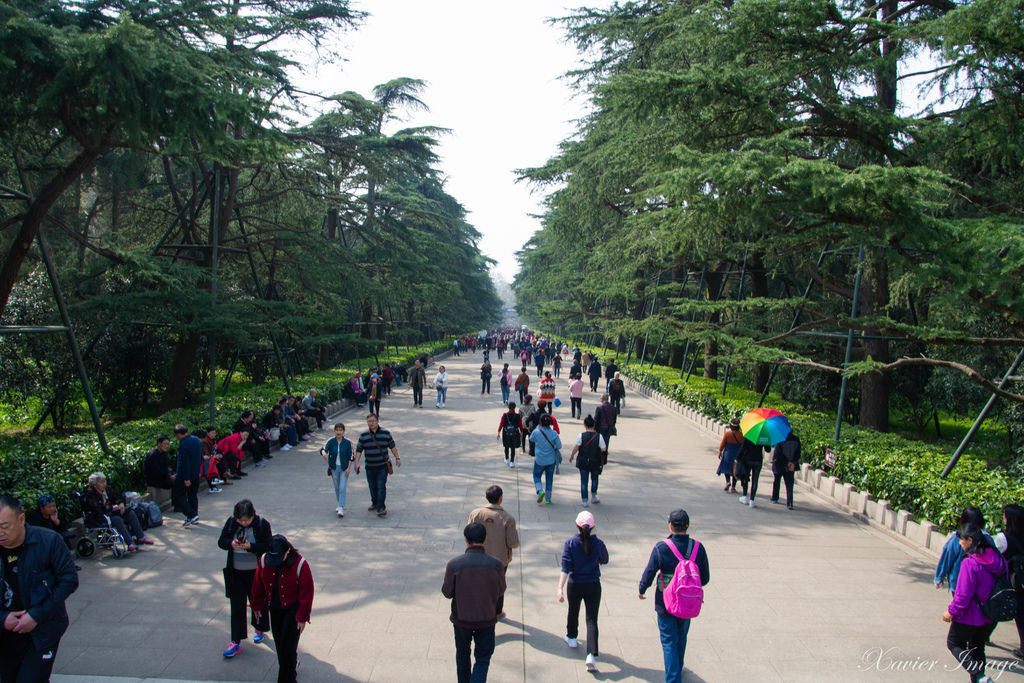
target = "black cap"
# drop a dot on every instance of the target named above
(679, 518)
(279, 547)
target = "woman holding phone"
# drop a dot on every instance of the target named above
(245, 537)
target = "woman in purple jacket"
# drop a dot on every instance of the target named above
(968, 628)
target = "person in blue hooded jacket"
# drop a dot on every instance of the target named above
(948, 568)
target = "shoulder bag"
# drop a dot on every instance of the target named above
(558, 453)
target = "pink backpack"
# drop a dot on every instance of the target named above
(684, 593)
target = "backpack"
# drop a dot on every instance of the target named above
(684, 594)
(504, 379)
(154, 516)
(1001, 604)
(510, 433)
(1016, 570)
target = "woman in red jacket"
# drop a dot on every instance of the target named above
(284, 583)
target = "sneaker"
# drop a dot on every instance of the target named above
(233, 649)
(307, 436)
(437, 405)
(540, 496)
(261, 463)
(775, 500)
(259, 637)
(790, 507)
(594, 499)
(216, 489)
(341, 511)
(511, 465)
(571, 642)
(194, 520)
(744, 500)
(442, 404)
(382, 512)
(751, 502)
(286, 447)
(188, 520)
(585, 503)
(547, 502)
(506, 462)
(591, 664)
(217, 481)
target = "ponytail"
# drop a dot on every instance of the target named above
(585, 537)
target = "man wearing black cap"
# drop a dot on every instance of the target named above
(673, 629)
(474, 582)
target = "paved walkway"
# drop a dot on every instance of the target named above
(794, 596)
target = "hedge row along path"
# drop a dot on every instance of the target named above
(794, 596)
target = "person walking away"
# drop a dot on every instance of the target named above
(785, 461)
(969, 630)
(510, 432)
(374, 444)
(547, 392)
(538, 360)
(502, 535)
(546, 448)
(523, 385)
(441, 384)
(505, 380)
(185, 494)
(455, 347)
(749, 461)
(576, 396)
(1013, 519)
(485, 377)
(418, 380)
(31, 558)
(388, 375)
(609, 375)
(580, 580)
(605, 418)
(474, 582)
(245, 537)
(556, 365)
(338, 454)
(617, 392)
(728, 447)
(594, 372)
(590, 448)
(284, 585)
(662, 565)
(374, 394)
(530, 418)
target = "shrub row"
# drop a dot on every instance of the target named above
(60, 465)
(890, 467)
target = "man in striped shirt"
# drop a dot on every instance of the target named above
(374, 444)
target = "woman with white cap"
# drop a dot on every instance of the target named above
(581, 559)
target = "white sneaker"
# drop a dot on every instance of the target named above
(506, 461)
(751, 503)
(594, 499)
(585, 503)
(511, 465)
(571, 642)
(591, 664)
(437, 405)
(744, 500)
(442, 404)
(216, 482)
(340, 511)
(216, 489)
(286, 447)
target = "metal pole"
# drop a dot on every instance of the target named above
(212, 336)
(76, 354)
(849, 345)
(654, 303)
(981, 417)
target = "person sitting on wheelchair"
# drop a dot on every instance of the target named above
(101, 502)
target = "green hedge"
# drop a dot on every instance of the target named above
(60, 465)
(890, 467)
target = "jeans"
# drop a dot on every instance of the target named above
(286, 641)
(584, 476)
(673, 645)
(21, 662)
(617, 401)
(556, 370)
(505, 391)
(240, 591)
(755, 474)
(786, 476)
(377, 478)
(442, 394)
(967, 644)
(127, 522)
(417, 395)
(485, 385)
(483, 639)
(590, 594)
(576, 404)
(340, 480)
(549, 474)
(186, 498)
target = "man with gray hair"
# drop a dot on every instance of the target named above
(33, 620)
(313, 408)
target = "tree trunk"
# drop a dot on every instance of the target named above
(713, 281)
(181, 370)
(324, 356)
(874, 388)
(758, 289)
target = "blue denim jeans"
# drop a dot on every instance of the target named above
(377, 478)
(549, 474)
(442, 394)
(505, 391)
(340, 480)
(673, 645)
(584, 476)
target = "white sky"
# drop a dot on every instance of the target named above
(494, 77)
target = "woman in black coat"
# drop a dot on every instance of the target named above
(256, 445)
(245, 537)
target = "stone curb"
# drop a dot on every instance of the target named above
(860, 505)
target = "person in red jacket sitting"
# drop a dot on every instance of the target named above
(282, 566)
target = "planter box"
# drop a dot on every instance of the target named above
(841, 493)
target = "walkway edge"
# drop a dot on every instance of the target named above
(861, 505)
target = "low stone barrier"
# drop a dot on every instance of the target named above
(861, 505)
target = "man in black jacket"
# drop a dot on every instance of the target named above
(474, 582)
(605, 418)
(785, 461)
(36, 576)
(156, 468)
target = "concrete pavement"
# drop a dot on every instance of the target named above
(794, 595)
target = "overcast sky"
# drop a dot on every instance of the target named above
(494, 77)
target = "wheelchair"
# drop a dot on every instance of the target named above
(101, 537)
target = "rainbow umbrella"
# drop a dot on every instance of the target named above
(765, 426)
